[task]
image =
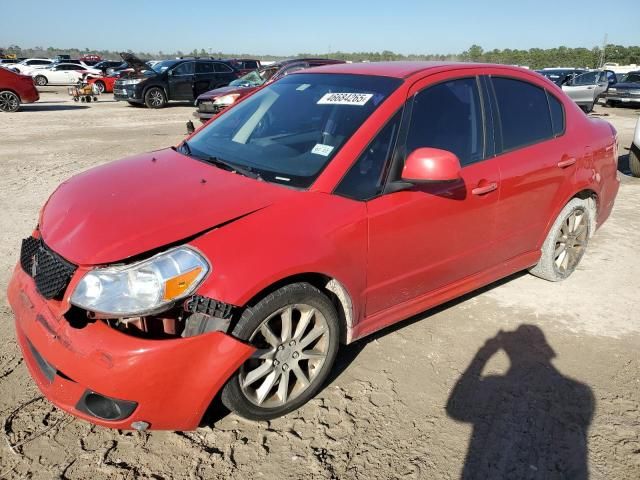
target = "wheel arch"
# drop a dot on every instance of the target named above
(586, 193)
(155, 85)
(12, 91)
(333, 288)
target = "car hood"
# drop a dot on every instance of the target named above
(626, 86)
(136, 205)
(218, 92)
(133, 61)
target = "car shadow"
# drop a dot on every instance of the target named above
(348, 353)
(530, 422)
(50, 108)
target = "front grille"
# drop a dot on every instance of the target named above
(50, 271)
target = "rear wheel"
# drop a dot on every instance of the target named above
(567, 241)
(41, 80)
(634, 162)
(9, 101)
(295, 332)
(155, 98)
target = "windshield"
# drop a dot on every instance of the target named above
(160, 67)
(255, 78)
(289, 131)
(633, 77)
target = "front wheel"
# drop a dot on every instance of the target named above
(100, 86)
(634, 163)
(9, 101)
(295, 331)
(155, 98)
(566, 241)
(41, 80)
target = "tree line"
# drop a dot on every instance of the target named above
(533, 58)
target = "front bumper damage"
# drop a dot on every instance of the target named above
(164, 384)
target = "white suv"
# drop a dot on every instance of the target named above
(28, 65)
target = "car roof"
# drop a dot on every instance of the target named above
(400, 69)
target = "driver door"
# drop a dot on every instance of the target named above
(583, 88)
(425, 239)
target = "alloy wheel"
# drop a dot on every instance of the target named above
(156, 98)
(292, 345)
(9, 102)
(571, 241)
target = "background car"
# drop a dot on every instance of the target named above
(560, 76)
(27, 65)
(8, 61)
(179, 79)
(105, 83)
(105, 65)
(245, 65)
(634, 152)
(211, 103)
(80, 63)
(626, 91)
(16, 89)
(59, 74)
(585, 89)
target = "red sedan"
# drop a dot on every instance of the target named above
(324, 207)
(16, 89)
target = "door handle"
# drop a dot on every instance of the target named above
(490, 187)
(591, 87)
(566, 163)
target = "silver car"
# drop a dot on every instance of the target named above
(585, 89)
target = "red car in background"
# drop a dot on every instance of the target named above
(322, 208)
(105, 82)
(213, 102)
(16, 89)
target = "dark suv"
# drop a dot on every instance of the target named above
(179, 79)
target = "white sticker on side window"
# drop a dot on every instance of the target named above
(321, 149)
(358, 99)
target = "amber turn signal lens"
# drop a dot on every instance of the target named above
(176, 286)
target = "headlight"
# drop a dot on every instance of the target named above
(130, 81)
(226, 99)
(141, 287)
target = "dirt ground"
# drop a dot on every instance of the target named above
(407, 403)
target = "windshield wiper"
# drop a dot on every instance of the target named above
(232, 167)
(185, 149)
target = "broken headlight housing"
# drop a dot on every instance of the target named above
(142, 287)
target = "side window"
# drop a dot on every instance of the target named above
(222, 68)
(204, 67)
(448, 116)
(366, 177)
(185, 68)
(557, 115)
(251, 64)
(523, 111)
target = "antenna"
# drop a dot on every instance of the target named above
(602, 51)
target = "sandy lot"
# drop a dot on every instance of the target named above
(391, 409)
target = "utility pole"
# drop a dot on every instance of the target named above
(602, 52)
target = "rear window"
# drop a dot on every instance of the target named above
(557, 115)
(222, 68)
(523, 111)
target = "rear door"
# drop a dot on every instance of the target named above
(205, 77)
(432, 235)
(181, 81)
(537, 162)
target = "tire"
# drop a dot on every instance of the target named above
(611, 103)
(41, 80)
(155, 98)
(557, 261)
(100, 86)
(588, 108)
(9, 101)
(634, 162)
(308, 348)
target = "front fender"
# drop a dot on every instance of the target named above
(317, 233)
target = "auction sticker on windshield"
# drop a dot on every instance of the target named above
(358, 99)
(321, 149)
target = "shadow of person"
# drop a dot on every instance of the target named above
(531, 422)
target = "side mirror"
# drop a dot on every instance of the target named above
(425, 165)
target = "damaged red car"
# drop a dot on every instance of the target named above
(324, 207)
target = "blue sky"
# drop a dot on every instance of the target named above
(286, 27)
